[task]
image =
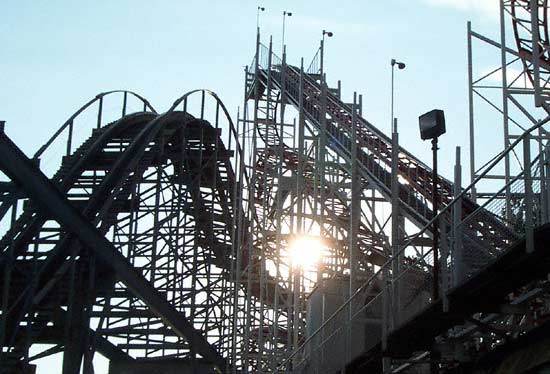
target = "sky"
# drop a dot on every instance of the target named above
(55, 55)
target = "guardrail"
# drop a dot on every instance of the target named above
(96, 113)
(315, 65)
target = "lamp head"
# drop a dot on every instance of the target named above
(285, 13)
(261, 8)
(328, 33)
(432, 124)
(400, 65)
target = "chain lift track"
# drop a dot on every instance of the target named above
(375, 155)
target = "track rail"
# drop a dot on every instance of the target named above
(532, 38)
(375, 154)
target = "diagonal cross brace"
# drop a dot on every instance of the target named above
(38, 187)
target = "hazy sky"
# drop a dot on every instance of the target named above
(56, 55)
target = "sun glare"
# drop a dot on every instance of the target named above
(306, 251)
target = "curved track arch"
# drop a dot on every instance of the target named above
(163, 190)
(533, 39)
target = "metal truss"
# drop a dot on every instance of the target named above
(171, 236)
(162, 188)
(332, 149)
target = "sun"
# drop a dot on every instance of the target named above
(306, 251)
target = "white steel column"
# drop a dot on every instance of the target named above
(505, 117)
(471, 111)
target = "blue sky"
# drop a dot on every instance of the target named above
(55, 55)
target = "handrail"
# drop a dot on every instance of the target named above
(416, 190)
(387, 140)
(314, 63)
(368, 125)
(67, 123)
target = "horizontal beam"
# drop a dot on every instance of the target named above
(55, 335)
(48, 197)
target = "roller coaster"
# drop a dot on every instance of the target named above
(166, 241)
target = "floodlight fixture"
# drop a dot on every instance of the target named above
(432, 124)
(322, 50)
(285, 14)
(400, 65)
(260, 8)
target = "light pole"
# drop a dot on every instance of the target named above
(432, 125)
(285, 14)
(260, 9)
(328, 34)
(400, 66)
